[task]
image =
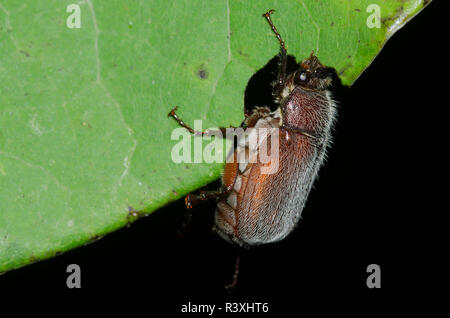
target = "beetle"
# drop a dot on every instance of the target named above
(255, 208)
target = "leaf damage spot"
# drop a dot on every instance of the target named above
(133, 214)
(240, 52)
(342, 70)
(202, 72)
(25, 53)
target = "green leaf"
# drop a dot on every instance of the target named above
(85, 141)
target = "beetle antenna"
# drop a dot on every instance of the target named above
(283, 53)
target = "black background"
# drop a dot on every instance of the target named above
(369, 206)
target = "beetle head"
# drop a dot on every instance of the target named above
(312, 75)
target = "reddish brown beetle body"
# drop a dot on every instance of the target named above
(256, 208)
(264, 208)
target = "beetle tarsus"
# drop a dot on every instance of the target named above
(172, 112)
(187, 201)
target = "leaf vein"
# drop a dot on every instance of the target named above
(229, 58)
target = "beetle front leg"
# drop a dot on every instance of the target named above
(282, 64)
(208, 132)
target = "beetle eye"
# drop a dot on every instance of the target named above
(303, 76)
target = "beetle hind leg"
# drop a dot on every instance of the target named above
(230, 287)
(192, 199)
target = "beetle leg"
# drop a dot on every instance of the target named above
(192, 200)
(228, 181)
(207, 132)
(187, 220)
(230, 287)
(283, 55)
(252, 117)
